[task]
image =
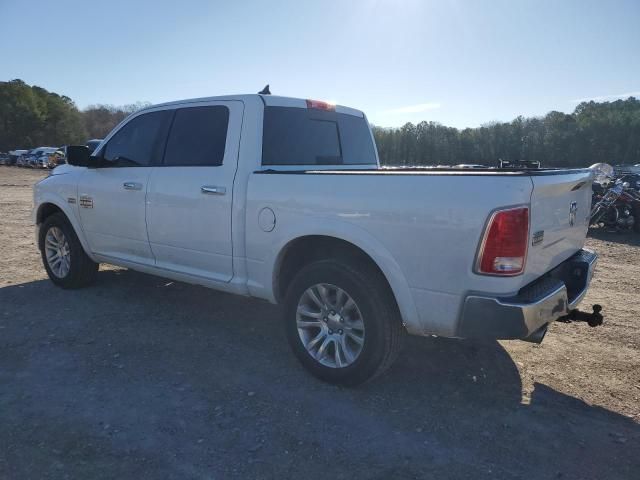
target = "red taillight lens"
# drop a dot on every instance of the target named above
(320, 105)
(504, 247)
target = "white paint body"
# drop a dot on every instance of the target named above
(422, 229)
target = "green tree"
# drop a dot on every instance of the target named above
(594, 132)
(30, 116)
(99, 120)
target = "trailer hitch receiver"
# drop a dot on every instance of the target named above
(594, 318)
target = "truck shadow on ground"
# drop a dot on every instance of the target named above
(628, 238)
(141, 377)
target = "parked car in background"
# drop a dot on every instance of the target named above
(93, 144)
(34, 158)
(57, 158)
(14, 155)
(47, 157)
(40, 157)
(23, 158)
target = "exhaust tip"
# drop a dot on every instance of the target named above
(538, 335)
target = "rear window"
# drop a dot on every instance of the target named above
(305, 136)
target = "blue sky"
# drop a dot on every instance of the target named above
(459, 62)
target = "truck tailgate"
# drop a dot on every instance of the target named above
(560, 206)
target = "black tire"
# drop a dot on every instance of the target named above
(383, 328)
(82, 270)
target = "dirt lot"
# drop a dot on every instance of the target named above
(139, 377)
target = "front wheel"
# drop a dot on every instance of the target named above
(64, 259)
(342, 321)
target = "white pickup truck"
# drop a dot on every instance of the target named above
(284, 199)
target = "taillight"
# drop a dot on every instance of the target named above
(504, 247)
(320, 105)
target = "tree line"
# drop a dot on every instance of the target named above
(31, 116)
(595, 132)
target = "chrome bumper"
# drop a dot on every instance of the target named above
(550, 297)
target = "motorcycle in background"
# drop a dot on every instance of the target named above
(615, 204)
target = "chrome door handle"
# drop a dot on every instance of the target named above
(132, 186)
(212, 190)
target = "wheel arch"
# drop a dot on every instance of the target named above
(303, 249)
(49, 206)
(45, 210)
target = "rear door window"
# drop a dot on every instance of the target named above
(304, 136)
(198, 137)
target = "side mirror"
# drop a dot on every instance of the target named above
(78, 155)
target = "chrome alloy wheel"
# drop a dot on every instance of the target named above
(57, 252)
(330, 325)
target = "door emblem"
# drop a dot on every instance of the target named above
(573, 208)
(86, 201)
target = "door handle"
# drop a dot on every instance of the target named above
(132, 186)
(213, 190)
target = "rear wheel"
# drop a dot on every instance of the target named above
(342, 321)
(64, 259)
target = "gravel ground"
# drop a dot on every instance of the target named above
(139, 377)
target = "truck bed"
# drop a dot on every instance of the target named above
(423, 225)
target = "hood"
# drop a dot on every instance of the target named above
(62, 169)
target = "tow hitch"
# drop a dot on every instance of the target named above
(593, 319)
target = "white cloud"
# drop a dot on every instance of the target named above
(603, 98)
(420, 107)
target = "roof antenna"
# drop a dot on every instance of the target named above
(265, 90)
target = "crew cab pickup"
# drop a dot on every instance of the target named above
(284, 199)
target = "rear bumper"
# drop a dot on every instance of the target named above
(550, 297)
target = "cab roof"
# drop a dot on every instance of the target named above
(267, 100)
